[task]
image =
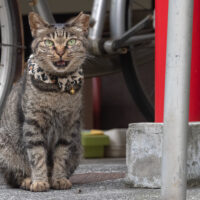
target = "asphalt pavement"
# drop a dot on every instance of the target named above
(95, 179)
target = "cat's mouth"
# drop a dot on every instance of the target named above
(61, 63)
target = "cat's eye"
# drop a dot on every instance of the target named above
(49, 43)
(71, 42)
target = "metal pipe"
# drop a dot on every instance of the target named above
(176, 108)
(42, 7)
(138, 38)
(117, 18)
(139, 26)
(110, 49)
(97, 18)
(96, 25)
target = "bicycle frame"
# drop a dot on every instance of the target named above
(42, 7)
(98, 19)
(119, 38)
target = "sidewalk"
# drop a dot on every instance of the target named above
(98, 179)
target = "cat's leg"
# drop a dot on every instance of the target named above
(33, 133)
(76, 153)
(61, 155)
(66, 158)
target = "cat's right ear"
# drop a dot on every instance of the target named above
(37, 24)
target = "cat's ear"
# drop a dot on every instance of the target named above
(82, 21)
(37, 24)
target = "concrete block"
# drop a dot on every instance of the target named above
(144, 151)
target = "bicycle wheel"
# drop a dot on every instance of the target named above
(11, 43)
(138, 63)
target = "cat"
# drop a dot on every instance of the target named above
(40, 142)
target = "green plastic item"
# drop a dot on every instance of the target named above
(93, 145)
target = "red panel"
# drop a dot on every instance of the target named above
(161, 8)
(160, 60)
(195, 67)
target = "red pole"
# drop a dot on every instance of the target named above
(160, 61)
(96, 90)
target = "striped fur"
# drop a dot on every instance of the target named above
(40, 126)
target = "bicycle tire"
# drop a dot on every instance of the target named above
(11, 47)
(130, 73)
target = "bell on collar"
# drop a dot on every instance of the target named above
(72, 91)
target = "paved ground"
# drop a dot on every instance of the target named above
(94, 180)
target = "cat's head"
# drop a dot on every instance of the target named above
(59, 48)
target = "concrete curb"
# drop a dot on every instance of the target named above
(144, 151)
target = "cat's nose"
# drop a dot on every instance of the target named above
(60, 51)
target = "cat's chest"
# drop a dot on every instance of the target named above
(55, 102)
(60, 102)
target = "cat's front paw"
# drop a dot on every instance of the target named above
(39, 186)
(61, 184)
(26, 183)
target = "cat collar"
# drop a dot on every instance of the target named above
(70, 84)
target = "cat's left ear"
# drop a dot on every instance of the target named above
(37, 24)
(82, 21)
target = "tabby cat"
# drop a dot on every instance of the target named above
(40, 126)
